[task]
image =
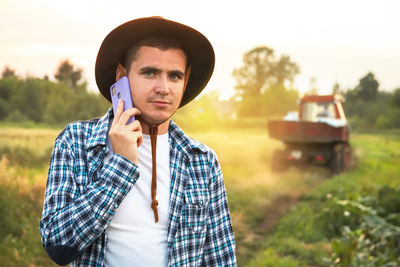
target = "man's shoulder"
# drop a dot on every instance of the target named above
(77, 128)
(84, 130)
(201, 146)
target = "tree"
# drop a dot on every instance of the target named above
(367, 108)
(68, 74)
(367, 89)
(8, 72)
(41, 100)
(262, 80)
(396, 98)
(262, 70)
(9, 87)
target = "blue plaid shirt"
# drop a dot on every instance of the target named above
(83, 192)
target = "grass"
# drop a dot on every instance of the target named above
(308, 231)
(24, 157)
(257, 198)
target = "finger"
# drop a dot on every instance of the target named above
(134, 126)
(120, 109)
(127, 114)
(117, 115)
(136, 137)
(139, 141)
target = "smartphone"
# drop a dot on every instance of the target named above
(122, 90)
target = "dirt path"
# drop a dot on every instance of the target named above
(276, 210)
(272, 212)
(251, 243)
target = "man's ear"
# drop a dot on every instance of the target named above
(120, 72)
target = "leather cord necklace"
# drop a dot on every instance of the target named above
(154, 201)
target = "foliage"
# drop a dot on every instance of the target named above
(367, 108)
(252, 191)
(262, 70)
(367, 89)
(203, 112)
(20, 203)
(350, 220)
(371, 237)
(395, 101)
(68, 74)
(316, 232)
(374, 242)
(41, 100)
(337, 213)
(262, 80)
(23, 166)
(24, 156)
(7, 72)
(269, 258)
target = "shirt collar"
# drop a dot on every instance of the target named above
(100, 131)
(176, 136)
(182, 141)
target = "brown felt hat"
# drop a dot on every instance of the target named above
(117, 43)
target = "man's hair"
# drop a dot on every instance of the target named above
(162, 42)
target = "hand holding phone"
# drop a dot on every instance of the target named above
(125, 137)
(122, 91)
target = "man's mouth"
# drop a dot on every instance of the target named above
(160, 103)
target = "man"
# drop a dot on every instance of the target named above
(142, 193)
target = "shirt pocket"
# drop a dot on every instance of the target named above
(195, 213)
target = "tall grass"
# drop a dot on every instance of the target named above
(24, 157)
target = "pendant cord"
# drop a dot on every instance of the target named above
(154, 202)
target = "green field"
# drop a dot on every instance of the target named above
(348, 220)
(297, 218)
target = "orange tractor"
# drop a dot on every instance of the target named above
(318, 133)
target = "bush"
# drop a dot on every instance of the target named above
(373, 243)
(338, 213)
(41, 100)
(388, 204)
(369, 235)
(17, 116)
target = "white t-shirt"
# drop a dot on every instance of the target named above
(134, 239)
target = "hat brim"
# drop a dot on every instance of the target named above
(116, 44)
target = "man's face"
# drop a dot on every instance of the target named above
(156, 79)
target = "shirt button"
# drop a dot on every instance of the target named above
(116, 206)
(132, 180)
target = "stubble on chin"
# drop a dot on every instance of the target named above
(151, 121)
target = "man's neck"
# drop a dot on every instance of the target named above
(162, 128)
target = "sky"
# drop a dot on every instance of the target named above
(331, 41)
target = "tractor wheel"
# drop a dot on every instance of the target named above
(337, 160)
(346, 156)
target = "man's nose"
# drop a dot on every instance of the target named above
(162, 86)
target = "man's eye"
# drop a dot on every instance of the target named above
(175, 76)
(148, 73)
